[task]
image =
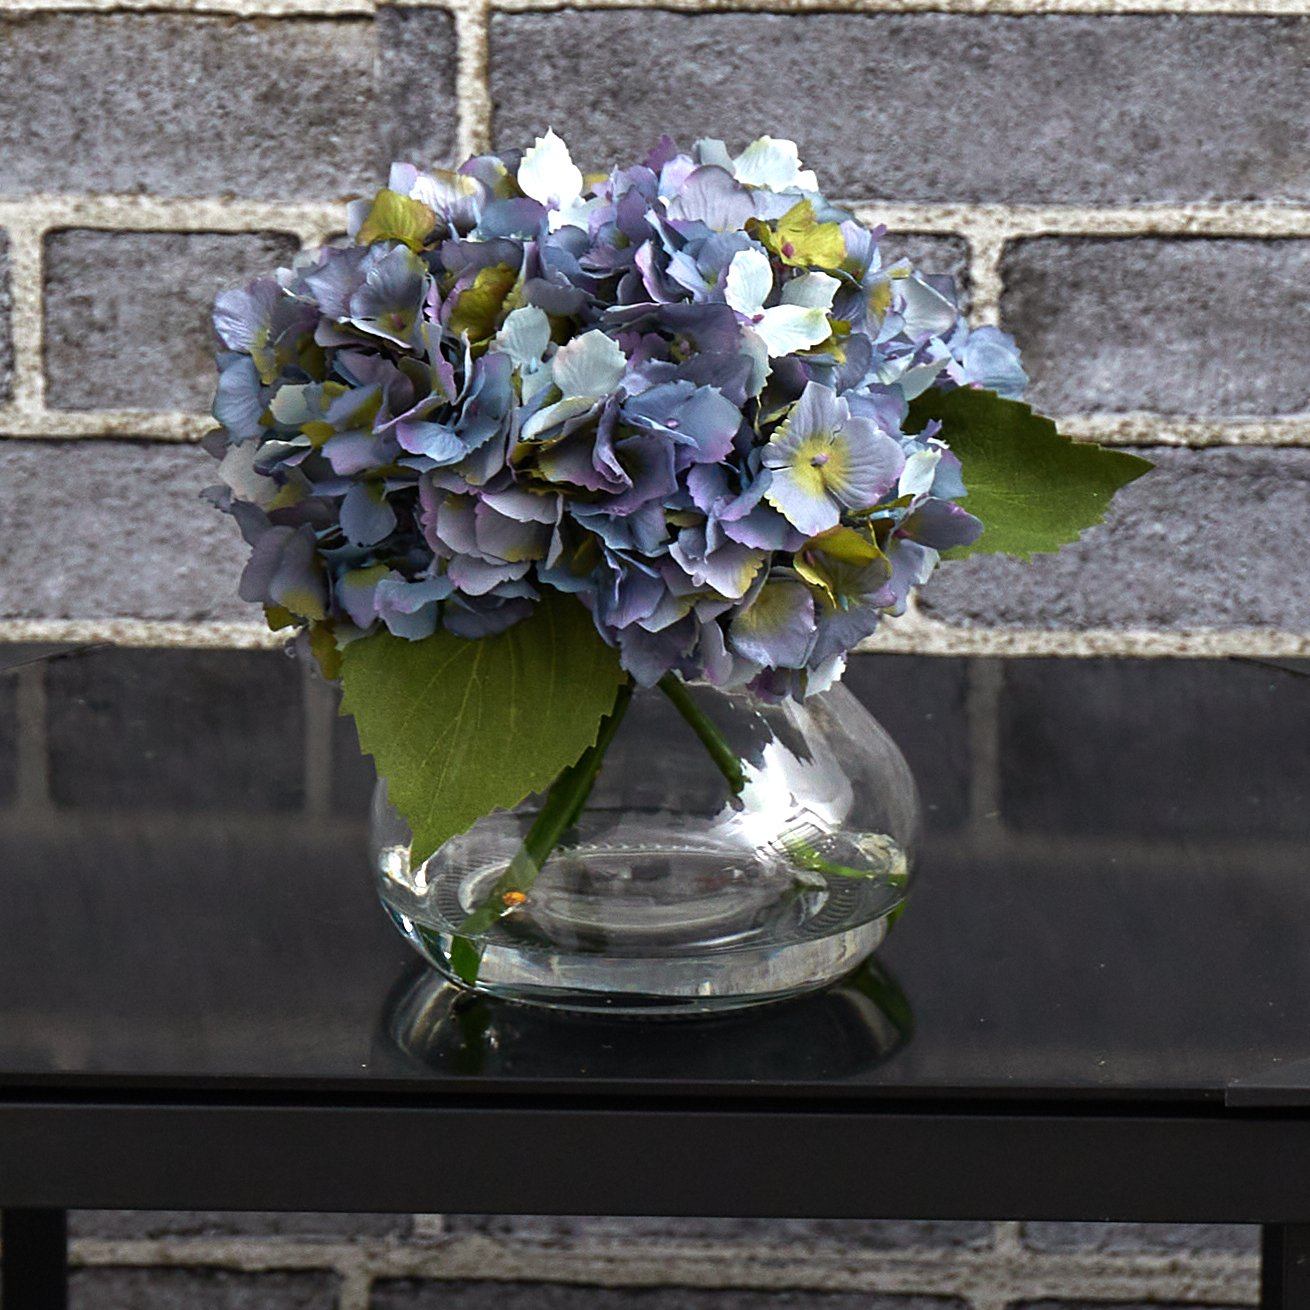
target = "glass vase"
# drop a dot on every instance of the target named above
(728, 852)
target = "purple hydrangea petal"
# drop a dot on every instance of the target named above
(776, 627)
(366, 517)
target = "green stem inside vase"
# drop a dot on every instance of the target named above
(566, 800)
(561, 809)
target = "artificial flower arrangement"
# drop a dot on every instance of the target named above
(527, 439)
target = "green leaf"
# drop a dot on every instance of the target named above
(1033, 489)
(459, 728)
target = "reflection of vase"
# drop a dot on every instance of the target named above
(841, 1033)
(684, 883)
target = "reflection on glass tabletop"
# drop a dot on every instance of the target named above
(1113, 898)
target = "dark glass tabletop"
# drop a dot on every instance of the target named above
(1111, 905)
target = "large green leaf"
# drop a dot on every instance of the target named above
(459, 728)
(1033, 489)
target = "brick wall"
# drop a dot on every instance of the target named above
(1124, 184)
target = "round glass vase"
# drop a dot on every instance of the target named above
(730, 852)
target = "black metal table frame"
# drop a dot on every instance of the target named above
(749, 1157)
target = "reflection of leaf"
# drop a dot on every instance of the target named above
(1033, 489)
(397, 218)
(459, 728)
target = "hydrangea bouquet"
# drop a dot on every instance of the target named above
(528, 438)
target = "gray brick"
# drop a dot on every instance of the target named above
(128, 313)
(118, 1225)
(199, 1289)
(186, 105)
(921, 703)
(416, 69)
(1132, 1239)
(849, 1234)
(6, 330)
(1140, 323)
(1211, 538)
(934, 107)
(932, 254)
(1199, 747)
(412, 1295)
(96, 529)
(180, 729)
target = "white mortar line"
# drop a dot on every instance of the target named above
(472, 84)
(1196, 1279)
(204, 635)
(1008, 1239)
(1144, 429)
(987, 228)
(355, 1288)
(1006, 222)
(908, 635)
(89, 424)
(27, 322)
(334, 8)
(233, 8)
(933, 637)
(1243, 218)
(986, 285)
(1133, 429)
(135, 213)
(980, 7)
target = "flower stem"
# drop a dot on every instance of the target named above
(727, 760)
(561, 810)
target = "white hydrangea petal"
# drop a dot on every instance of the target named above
(925, 311)
(533, 384)
(768, 163)
(524, 336)
(589, 365)
(749, 282)
(444, 191)
(237, 470)
(813, 290)
(710, 150)
(554, 415)
(914, 379)
(548, 173)
(786, 329)
(571, 213)
(919, 471)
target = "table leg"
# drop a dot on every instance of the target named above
(1285, 1267)
(34, 1260)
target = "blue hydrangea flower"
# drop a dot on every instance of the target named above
(676, 391)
